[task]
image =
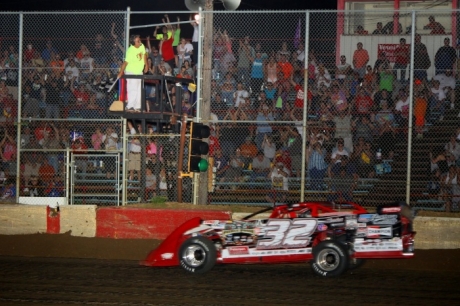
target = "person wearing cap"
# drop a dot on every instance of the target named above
(279, 176)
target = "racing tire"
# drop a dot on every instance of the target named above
(197, 255)
(330, 258)
(355, 263)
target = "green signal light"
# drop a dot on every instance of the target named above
(203, 165)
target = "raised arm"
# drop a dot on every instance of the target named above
(112, 31)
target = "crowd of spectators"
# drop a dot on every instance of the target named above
(357, 111)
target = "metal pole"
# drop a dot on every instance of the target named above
(180, 162)
(411, 103)
(128, 21)
(67, 176)
(199, 66)
(204, 89)
(305, 108)
(18, 119)
(157, 24)
(199, 78)
(125, 163)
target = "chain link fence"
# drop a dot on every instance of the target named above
(358, 124)
(350, 140)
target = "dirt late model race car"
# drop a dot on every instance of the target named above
(333, 237)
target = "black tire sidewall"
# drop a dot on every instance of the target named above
(337, 247)
(211, 255)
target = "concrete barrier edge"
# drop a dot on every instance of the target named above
(139, 223)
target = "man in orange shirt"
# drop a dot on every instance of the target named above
(360, 60)
(248, 150)
(285, 67)
(46, 172)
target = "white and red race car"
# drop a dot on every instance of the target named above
(333, 237)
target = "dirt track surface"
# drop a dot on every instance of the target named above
(66, 270)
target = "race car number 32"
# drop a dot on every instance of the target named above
(287, 234)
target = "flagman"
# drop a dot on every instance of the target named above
(135, 63)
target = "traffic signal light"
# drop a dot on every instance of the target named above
(197, 147)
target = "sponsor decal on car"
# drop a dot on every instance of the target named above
(376, 232)
(385, 219)
(391, 210)
(265, 253)
(365, 218)
(377, 245)
(238, 250)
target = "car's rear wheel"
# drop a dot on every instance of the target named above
(197, 255)
(330, 258)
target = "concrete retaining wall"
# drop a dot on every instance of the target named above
(125, 222)
(138, 223)
(21, 219)
(437, 233)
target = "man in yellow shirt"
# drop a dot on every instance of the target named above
(135, 64)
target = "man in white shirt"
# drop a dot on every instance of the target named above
(71, 71)
(279, 177)
(240, 95)
(260, 166)
(402, 108)
(437, 99)
(184, 51)
(342, 69)
(86, 65)
(447, 83)
(195, 37)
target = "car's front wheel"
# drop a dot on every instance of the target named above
(197, 255)
(330, 259)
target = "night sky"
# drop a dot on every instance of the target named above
(162, 5)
